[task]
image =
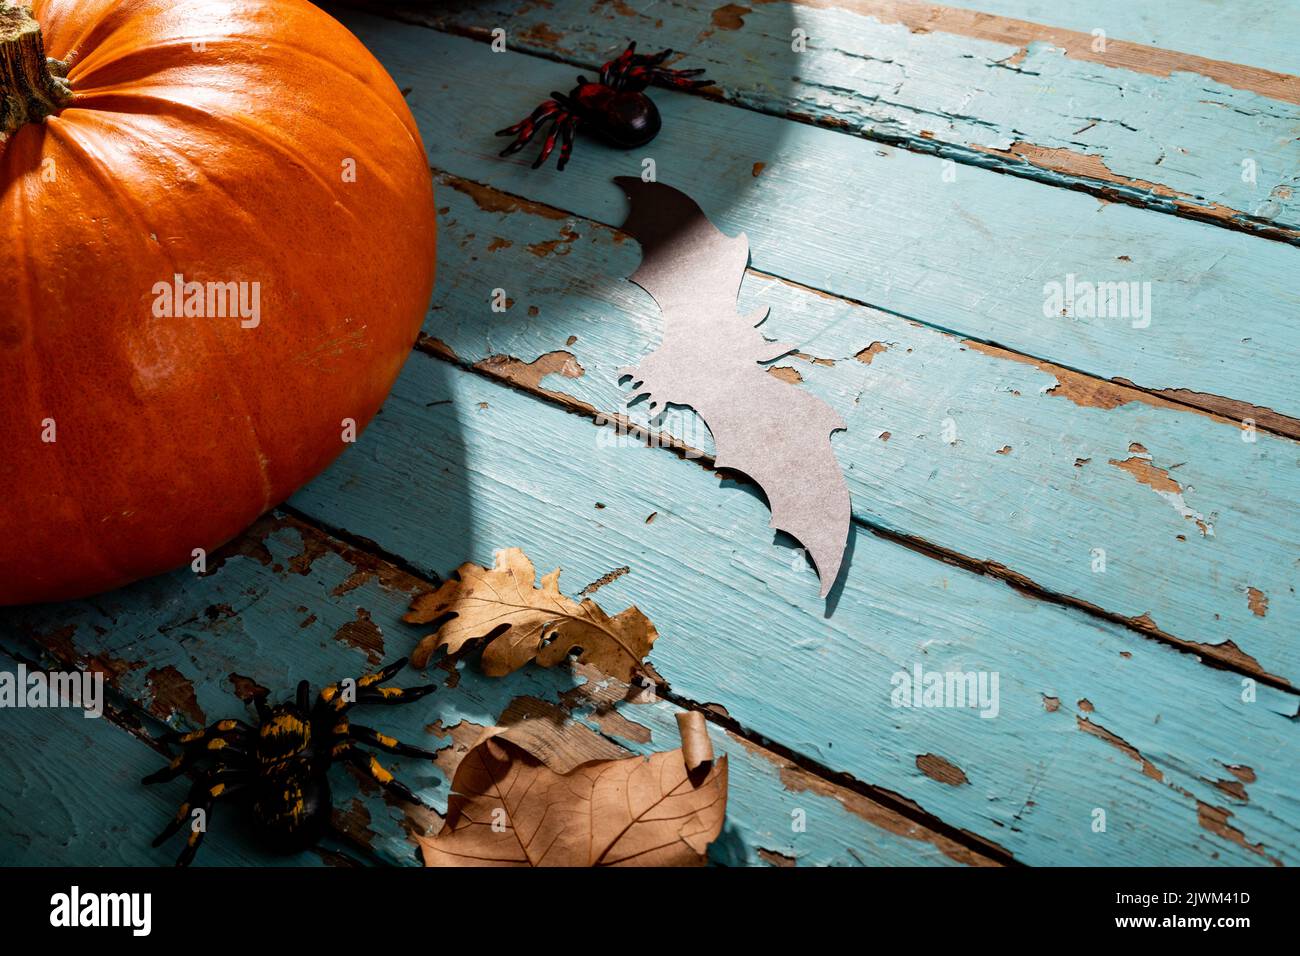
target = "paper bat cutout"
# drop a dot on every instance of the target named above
(709, 359)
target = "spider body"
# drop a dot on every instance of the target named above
(280, 767)
(615, 108)
(291, 797)
(623, 118)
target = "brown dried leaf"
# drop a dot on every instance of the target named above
(509, 809)
(535, 624)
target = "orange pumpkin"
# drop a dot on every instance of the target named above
(216, 251)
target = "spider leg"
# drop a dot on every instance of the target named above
(639, 77)
(526, 129)
(332, 698)
(394, 695)
(568, 126)
(612, 71)
(204, 792)
(383, 674)
(386, 743)
(373, 769)
(224, 727)
(651, 59)
(221, 738)
(680, 79)
(368, 693)
(332, 695)
(547, 146)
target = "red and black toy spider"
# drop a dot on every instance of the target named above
(616, 108)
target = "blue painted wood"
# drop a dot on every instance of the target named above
(1173, 142)
(291, 604)
(1262, 34)
(1187, 765)
(1145, 509)
(73, 797)
(741, 626)
(960, 255)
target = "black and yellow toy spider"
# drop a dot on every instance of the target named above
(281, 766)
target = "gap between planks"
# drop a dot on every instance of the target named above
(989, 853)
(932, 17)
(1060, 167)
(135, 715)
(1224, 656)
(1217, 407)
(505, 370)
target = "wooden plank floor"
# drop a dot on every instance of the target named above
(908, 182)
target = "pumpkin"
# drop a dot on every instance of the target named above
(217, 239)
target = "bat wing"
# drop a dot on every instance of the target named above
(780, 437)
(685, 259)
(774, 433)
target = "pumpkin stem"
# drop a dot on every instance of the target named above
(32, 86)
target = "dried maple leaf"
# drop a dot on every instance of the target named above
(530, 623)
(509, 809)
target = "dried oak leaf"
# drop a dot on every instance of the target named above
(509, 809)
(529, 623)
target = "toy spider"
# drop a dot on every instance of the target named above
(283, 763)
(616, 108)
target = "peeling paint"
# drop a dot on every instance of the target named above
(938, 768)
(775, 858)
(1233, 788)
(1123, 54)
(1215, 819)
(530, 374)
(541, 34)
(1159, 480)
(1242, 773)
(604, 579)
(365, 635)
(490, 200)
(1148, 768)
(786, 374)
(1092, 166)
(730, 17)
(245, 688)
(559, 246)
(171, 693)
(1087, 391)
(797, 780)
(870, 352)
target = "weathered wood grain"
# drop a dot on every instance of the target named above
(963, 255)
(288, 603)
(1261, 34)
(1093, 491)
(1091, 716)
(73, 797)
(1162, 130)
